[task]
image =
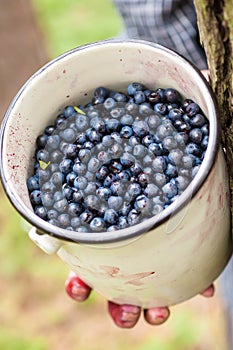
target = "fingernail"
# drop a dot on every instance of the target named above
(77, 289)
(156, 316)
(124, 316)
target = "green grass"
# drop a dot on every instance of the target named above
(68, 24)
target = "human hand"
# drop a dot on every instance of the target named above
(124, 316)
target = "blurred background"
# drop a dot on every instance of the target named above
(35, 312)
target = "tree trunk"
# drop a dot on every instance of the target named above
(215, 21)
(22, 48)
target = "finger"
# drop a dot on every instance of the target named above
(76, 288)
(208, 292)
(124, 316)
(156, 315)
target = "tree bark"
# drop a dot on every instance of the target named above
(215, 22)
(22, 47)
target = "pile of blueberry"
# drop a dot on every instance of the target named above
(118, 160)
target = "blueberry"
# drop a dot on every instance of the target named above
(143, 179)
(48, 187)
(139, 97)
(64, 220)
(117, 188)
(134, 87)
(147, 140)
(126, 119)
(81, 138)
(58, 195)
(133, 190)
(194, 149)
(57, 178)
(109, 180)
(159, 164)
(102, 172)
(52, 214)
(175, 156)
(192, 109)
(139, 151)
(119, 96)
(66, 165)
(79, 168)
(86, 216)
(109, 103)
(93, 165)
(156, 96)
(115, 202)
(160, 108)
(33, 183)
(175, 114)
(142, 203)
(41, 141)
(68, 134)
(56, 156)
(71, 150)
(61, 122)
(75, 222)
(135, 169)
(140, 128)
(154, 121)
(110, 216)
(195, 135)
(42, 155)
(181, 182)
(169, 190)
(122, 222)
(171, 171)
(97, 224)
(164, 130)
(169, 143)
(61, 205)
(127, 160)
(77, 196)
(171, 95)
(67, 192)
(160, 179)
(205, 129)
(115, 166)
(156, 148)
(84, 155)
(98, 124)
(205, 142)
(126, 132)
(69, 111)
(117, 112)
(80, 182)
(133, 217)
(74, 209)
(41, 212)
(151, 190)
(47, 199)
(81, 122)
(49, 130)
(88, 145)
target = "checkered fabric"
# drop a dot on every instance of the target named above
(171, 23)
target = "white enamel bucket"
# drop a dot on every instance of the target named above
(163, 260)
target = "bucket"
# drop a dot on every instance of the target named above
(165, 259)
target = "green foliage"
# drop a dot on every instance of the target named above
(68, 24)
(9, 340)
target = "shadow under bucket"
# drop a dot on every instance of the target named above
(163, 260)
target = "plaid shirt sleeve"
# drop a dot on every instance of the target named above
(171, 23)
